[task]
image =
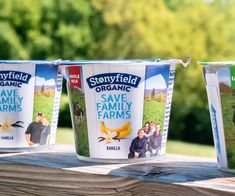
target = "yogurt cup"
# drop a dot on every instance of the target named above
(29, 104)
(220, 85)
(120, 109)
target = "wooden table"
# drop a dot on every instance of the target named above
(57, 171)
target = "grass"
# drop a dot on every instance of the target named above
(45, 105)
(65, 136)
(154, 111)
(184, 148)
(227, 100)
(80, 124)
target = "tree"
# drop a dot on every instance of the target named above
(42, 89)
(153, 94)
(110, 29)
(170, 29)
(44, 29)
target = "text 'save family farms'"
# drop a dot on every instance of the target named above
(120, 109)
(29, 104)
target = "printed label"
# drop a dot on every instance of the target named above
(78, 109)
(15, 107)
(115, 94)
(122, 108)
(232, 77)
(216, 132)
(214, 100)
(123, 81)
(227, 95)
(75, 77)
(28, 95)
(15, 76)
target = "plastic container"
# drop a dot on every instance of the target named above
(120, 109)
(29, 104)
(220, 85)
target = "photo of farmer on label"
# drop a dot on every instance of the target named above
(148, 141)
(38, 131)
(138, 145)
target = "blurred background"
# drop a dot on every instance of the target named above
(134, 29)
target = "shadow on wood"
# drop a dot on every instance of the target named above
(57, 171)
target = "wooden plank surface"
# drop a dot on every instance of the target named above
(57, 171)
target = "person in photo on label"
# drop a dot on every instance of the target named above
(45, 134)
(149, 129)
(34, 130)
(152, 127)
(155, 141)
(138, 145)
(147, 133)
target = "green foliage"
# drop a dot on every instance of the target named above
(171, 29)
(10, 45)
(64, 116)
(44, 29)
(111, 29)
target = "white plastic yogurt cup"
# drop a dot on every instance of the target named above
(120, 109)
(29, 104)
(220, 85)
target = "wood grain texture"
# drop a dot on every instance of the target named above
(57, 171)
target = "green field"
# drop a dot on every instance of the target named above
(65, 136)
(228, 100)
(154, 111)
(77, 97)
(80, 125)
(45, 105)
(184, 148)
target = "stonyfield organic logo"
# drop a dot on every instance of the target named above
(14, 78)
(113, 81)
